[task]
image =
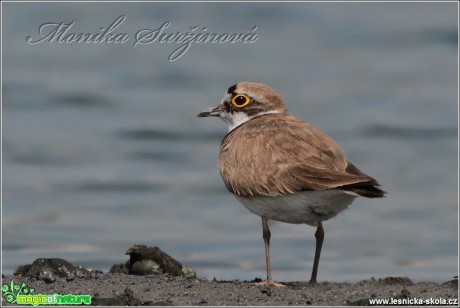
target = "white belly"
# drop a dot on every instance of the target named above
(309, 207)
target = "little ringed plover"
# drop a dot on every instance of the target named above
(282, 168)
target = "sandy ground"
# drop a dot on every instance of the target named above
(153, 278)
(124, 289)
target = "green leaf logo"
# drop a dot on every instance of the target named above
(11, 291)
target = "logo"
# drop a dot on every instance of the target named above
(21, 294)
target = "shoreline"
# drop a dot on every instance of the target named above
(109, 289)
(151, 277)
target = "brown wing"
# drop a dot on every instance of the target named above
(277, 154)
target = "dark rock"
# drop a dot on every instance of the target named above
(453, 282)
(405, 281)
(51, 269)
(167, 263)
(119, 269)
(151, 260)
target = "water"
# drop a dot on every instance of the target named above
(102, 148)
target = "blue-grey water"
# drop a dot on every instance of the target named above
(102, 148)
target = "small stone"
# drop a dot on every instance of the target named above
(188, 272)
(119, 268)
(167, 263)
(146, 267)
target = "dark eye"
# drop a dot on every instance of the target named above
(240, 100)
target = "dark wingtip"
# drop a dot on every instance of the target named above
(369, 191)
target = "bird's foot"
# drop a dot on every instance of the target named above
(270, 282)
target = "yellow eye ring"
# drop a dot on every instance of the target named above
(240, 100)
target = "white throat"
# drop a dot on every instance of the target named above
(236, 119)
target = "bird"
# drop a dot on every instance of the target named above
(282, 168)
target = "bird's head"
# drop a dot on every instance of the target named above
(244, 101)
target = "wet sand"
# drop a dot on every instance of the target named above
(123, 289)
(152, 277)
